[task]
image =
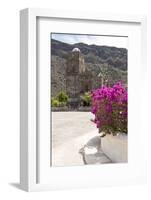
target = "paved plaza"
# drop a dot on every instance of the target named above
(75, 140)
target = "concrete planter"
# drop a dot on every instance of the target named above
(115, 147)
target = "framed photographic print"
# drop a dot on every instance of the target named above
(82, 77)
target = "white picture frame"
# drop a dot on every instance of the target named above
(31, 167)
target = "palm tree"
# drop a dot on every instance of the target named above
(104, 74)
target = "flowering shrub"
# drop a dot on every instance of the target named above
(109, 105)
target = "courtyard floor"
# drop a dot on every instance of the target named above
(71, 131)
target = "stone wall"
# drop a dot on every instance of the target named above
(65, 108)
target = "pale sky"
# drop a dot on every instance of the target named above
(113, 41)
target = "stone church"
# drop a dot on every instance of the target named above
(78, 78)
(72, 75)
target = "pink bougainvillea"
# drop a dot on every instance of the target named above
(109, 105)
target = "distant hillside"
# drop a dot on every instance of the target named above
(116, 57)
(111, 60)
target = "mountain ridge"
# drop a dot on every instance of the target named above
(112, 61)
(95, 54)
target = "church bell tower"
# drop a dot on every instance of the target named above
(75, 68)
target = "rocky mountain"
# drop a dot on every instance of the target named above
(111, 61)
(116, 57)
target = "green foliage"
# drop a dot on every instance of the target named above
(86, 99)
(60, 100)
(62, 97)
(54, 102)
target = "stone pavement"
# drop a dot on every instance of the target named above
(75, 140)
(92, 153)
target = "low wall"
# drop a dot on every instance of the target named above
(115, 147)
(58, 109)
(84, 108)
(65, 108)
